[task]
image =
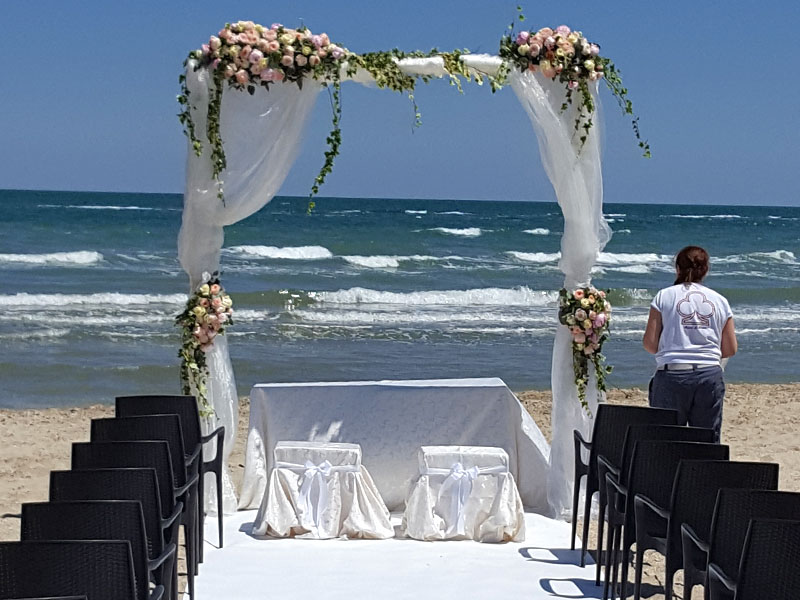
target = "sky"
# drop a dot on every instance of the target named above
(89, 86)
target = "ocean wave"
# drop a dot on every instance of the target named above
(453, 212)
(103, 207)
(635, 269)
(81, 257)
(390, 262)
(467, 232)
(65, 301)
(616, 215)
(415, 317)
(535, 257)
(521, 296)
(780, 256)
(35, 335)
(287, 253)
(627, 258)
(538, 231)
(416, 212)
(622, 231)
(707, 216)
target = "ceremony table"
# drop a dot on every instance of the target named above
(391, 420)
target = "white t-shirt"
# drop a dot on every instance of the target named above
(692, 317)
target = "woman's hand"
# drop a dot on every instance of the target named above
(728, 344)
(652, 333)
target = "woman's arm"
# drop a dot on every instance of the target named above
(652, 332)
(728, 344)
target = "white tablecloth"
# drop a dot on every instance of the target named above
(391, 420)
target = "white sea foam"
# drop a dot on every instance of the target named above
(538, 231)
(780, 256)
(707, 216)
(453, 212)
(521, 296)
(535, 257)
(622, 231)
(287, 253)
(637, 269)
(374, 262)
(625, 258)
(467, 232)
(416, 212)
(102, 207)
(616, 215)
(65, 301)
(414, 317)
(81, 257)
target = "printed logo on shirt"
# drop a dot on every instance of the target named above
(695, 313)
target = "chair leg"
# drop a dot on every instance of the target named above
(623, 580)
(576, 489)
(587, 516)
(668, 584)
(188, 535)
(201, 507)
(637, 584)
(610, 550)
(601, 522)
(219, 503)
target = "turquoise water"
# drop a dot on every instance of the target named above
(362, 289)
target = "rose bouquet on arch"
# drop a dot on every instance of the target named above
(208, 311)
(586, 311)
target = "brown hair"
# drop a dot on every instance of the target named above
(692, 265)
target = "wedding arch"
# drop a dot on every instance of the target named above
(254, 87)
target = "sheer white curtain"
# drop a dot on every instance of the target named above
(262, 135)
(577, 179)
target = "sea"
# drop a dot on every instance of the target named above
(363, 289)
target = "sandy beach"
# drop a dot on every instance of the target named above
(760, 424)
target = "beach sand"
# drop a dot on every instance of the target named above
(760, 424)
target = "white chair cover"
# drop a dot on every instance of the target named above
(321, 490)
(464, 492)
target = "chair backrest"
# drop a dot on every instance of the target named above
(653, 468)
(769, 561)
(165, 428)
(92, 520)
(183, 406)
(100, 570)
(673, 433)
(694, 494)
(142, 455)
(733, 511)
(610, 425)
(53, 598)
(114, 484)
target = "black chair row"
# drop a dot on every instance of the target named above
(132, 486)
(670, 489)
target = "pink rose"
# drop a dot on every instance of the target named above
(267, 75)
(273, 46)
(592, 315)
(222, 318)
(595, 49)
(244, 53)
(301, 60)
(588, 350)
(225, 34)
(550, 42)
(325, 39)
(317, 41)
(270, 35)
(277, 76)
(287, 61)
(602, 294)
(205, 49)
(256, 56)
(563, 30)
(578, 294)
(580, 314)
(522, 37)
(206, 347)
(275, 26)
(230, 71)
(322, 54)
(242, 76)
(579, 338)
(593, 337)
(337, 52)
(573, 85)
(535, 49)
(204, 302)
(545, 32)
(214, 289)
(215, 64)
(313, 60)
(600, 320)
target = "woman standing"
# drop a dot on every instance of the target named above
(690, 329)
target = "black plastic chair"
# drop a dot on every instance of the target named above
(102, 520)
(194, 440)
(734, 510)
(608, 434)
(652, 473)
(770, 557)
(53, 598)
(635, 433)
(165, 428)
(124, 484)
(147, 455)
(99, 570)
(691, 506)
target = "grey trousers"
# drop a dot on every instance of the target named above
(696, 395)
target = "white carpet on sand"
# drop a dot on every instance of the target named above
(255, 568)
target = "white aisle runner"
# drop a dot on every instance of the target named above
(248, 568)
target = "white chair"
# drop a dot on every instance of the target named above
(321, 490)
(464, 492)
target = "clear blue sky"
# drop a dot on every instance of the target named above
(88, 98)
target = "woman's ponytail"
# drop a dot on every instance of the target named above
(691, 264)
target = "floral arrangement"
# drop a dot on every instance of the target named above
(245, 55)
(208, 311)
(586, 311)
(568, 56)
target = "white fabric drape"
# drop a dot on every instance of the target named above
(575, 172)
(262, 135)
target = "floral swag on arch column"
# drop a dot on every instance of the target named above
(274, 75)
